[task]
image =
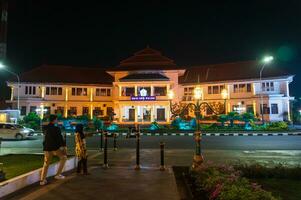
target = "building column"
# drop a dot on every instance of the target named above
(152, 113)
(168, 114)
(152, 90)
(12, 93)
(136, 92)
(136, 114)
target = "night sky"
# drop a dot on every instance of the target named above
(190, 33)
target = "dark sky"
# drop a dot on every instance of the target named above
(191, 32)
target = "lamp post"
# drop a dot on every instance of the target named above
(2, 66)
(224, 95)
(265, 61)
(177, 109)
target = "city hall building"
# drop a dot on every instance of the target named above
(136, 90)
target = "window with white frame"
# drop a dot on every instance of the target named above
(54, 91)
(30, 90)
(274, 108)
(267, 86)
(215, 89)
(105, 92)
(242, 88)
(79, 92)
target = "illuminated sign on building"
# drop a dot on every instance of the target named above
(143, 98)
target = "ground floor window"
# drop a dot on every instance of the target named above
(59, 110)
(33, 109)
(250, 109)
(265, 108)
(161, 114)
(23, 110)
(274, 108)
(85, 111)
(72, 111)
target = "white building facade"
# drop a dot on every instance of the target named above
(136, 90)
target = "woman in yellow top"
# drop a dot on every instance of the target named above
(81, 149)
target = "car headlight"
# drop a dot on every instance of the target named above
(25, 131)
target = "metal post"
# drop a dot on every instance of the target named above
(101, 140)
(137, 167)
(105, 156)
(162, 165)
(115, 141)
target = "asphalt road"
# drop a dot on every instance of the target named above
(180, 142)
(268, 150)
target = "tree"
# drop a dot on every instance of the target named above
(247, 117)
(32, 120)
(233, 116)
(223, 118)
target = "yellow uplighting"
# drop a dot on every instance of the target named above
(224, 93)
(66, 95)
(170, 94)
(198, 92)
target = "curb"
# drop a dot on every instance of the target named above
(204, 134)
(24, 180)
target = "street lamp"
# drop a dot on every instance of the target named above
(178, 109)
(266, 60)
(224, 94)
(3, 67)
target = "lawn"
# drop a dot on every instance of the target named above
(15, 165)
(287, 189)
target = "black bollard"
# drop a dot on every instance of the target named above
(115, 141)
(162, 165)
(137, 167)
(101, 140)
(105, 155)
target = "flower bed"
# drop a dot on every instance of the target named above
(223, 182)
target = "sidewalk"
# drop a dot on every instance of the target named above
(120, 181)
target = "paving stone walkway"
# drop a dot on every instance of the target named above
(120, 181)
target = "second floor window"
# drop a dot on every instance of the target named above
(128, 91)
(188, 93)
(103, 92)
(79, 92)
(241, 88)
(160, 91)
(215, 89)
(267, 86)
(54, 91)
(30, 90)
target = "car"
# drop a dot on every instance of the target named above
(15, 131)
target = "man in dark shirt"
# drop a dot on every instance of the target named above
(53, 145)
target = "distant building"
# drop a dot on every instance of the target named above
(136, 90)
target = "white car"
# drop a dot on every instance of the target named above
(14, 131)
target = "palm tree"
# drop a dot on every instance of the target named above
(223, 118)
(247, 118)
(233, 116)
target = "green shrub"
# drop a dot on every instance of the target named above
(260, 171)
(226, 183)
(274, 126)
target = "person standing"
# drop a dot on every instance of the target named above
(53, 145)
(81, 149)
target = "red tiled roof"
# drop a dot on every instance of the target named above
(146, 59)
(230, 71)
(66, 74)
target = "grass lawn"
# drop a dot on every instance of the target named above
(287, 189)
(15, 165)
